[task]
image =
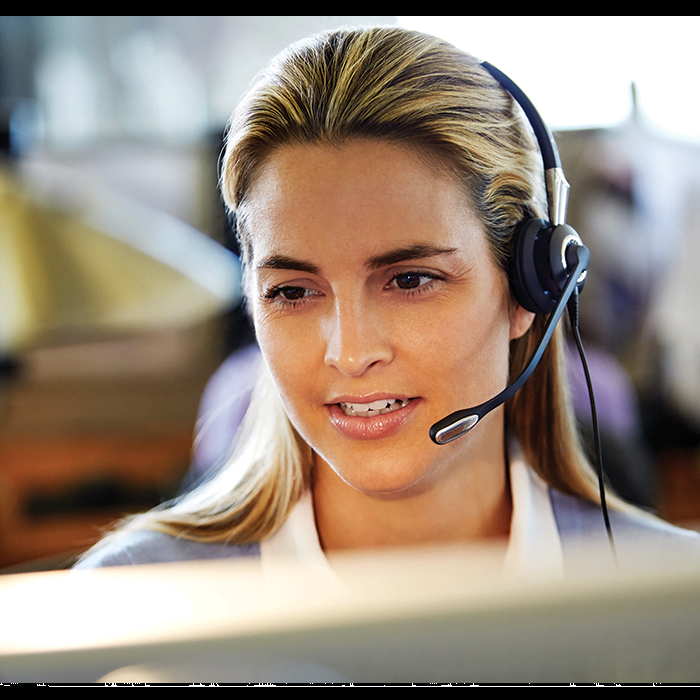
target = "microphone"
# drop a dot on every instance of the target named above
(461, 422)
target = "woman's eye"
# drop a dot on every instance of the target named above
(412, 280)
(289, 293)
(293, 293)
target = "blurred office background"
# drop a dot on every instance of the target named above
(126, 115)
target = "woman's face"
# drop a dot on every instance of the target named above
(378, 309)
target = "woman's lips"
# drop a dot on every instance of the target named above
(371, 420)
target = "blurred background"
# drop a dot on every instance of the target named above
(119, 293)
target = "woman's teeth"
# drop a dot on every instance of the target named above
(373, 408)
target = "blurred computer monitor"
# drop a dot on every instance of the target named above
(413, 616)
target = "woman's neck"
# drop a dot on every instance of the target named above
(469, 503)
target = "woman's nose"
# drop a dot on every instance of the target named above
(355, 340)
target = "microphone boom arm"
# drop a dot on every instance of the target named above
(461, 422)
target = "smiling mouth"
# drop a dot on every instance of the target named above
(374, 408)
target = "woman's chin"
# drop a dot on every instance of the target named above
(392, 479)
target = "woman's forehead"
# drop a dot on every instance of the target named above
(375, 160)
(381, 195)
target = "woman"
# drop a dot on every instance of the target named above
(377, 177)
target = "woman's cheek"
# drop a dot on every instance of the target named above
(285, 351)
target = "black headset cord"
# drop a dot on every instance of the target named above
(572, 306)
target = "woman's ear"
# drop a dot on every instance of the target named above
(520, 320)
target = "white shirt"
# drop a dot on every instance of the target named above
(534, 547)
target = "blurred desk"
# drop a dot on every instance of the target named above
(679, 487)
(56, 494)
(89, 432)
(416, 616)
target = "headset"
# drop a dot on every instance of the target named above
(547, 270)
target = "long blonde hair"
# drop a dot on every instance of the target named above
(397, 86)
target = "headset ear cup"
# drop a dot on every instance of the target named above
(526, 266)
(562, 237)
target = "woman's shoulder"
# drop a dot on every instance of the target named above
(151, 547)
(635, 534)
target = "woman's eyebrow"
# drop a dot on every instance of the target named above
(284, 262)
(413, 252)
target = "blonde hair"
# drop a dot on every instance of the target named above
(407, 88)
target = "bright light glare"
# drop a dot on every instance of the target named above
(579, 70)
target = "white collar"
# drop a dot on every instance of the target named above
(294, 548)
(534, 546)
